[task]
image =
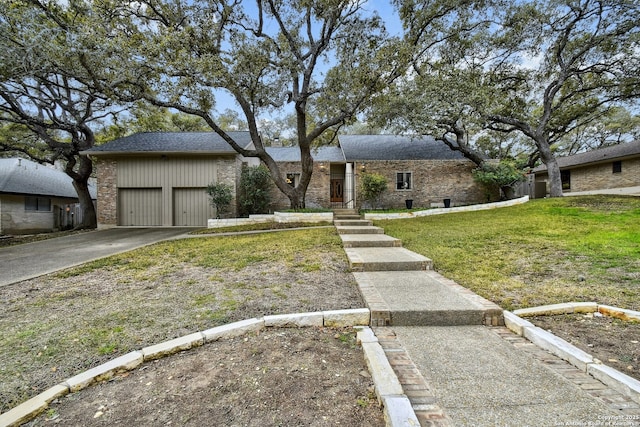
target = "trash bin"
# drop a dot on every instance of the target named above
(409, 203)
(447, 203)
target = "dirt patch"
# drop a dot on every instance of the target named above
(292, 377)
(615, 342)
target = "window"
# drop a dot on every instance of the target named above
(565, 176)
(37, 204)
(403, 181)
(293, 179)
(617, 167)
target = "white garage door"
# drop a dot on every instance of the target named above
(140, 206)
(191, 207)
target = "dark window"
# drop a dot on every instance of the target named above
(565, 176)
(37, 204)
(617, 167)
(293, 179)
(403, 181)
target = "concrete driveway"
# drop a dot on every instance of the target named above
(22, 262)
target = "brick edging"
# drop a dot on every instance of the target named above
(583, 361)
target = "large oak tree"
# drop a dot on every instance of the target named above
(321, 60)
(540, 68)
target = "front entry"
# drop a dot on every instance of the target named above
(337, 190)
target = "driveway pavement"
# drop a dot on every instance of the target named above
(22, 262)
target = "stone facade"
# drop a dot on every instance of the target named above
(432, 182)
(106, 170)
(317, 193)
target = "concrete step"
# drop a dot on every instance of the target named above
(359, 230)
(346, 217)
(419, 298)
(369, 241)
(352, 222)
(386, 259)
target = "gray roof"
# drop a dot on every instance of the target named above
(607, 154)
(292, 154)
(21, 176)
(395, 147)
(172, 142)
(352, 147)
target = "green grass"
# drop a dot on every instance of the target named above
(542, 252)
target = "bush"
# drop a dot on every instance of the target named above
(372, 186)
(499, 177)
(254, 196)
(220, 195)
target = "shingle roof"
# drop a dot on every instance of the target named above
(170, 142)
(21, 176)
(606, 154)
(292, 154)
(394, 147)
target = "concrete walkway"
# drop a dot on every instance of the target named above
(457, 363)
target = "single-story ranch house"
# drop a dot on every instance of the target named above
(36, 198)
(159, 178)
(617, 166)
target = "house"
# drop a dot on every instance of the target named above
(613, 167)
(159, 178)
(36, 198)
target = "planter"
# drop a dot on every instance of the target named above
(447, 203)
(409, 203)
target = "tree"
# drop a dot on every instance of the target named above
(42, 90)
(317, 59)
(588, 62)
(540, 68)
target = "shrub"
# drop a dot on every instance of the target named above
(253, 194)
(220, 195)
(499, 177)
(372, 186)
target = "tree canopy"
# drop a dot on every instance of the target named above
(319, 60)
(539, 68)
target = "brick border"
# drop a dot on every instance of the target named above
(600, 390)
(616, 380)
(422, 398)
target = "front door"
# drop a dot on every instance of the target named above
(337, 190)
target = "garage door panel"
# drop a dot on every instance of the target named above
(191, 207)
(140, 206)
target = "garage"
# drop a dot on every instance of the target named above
(140, 206)
(191, 207)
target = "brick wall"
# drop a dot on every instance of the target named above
(601, 176)
(317, 193)
(107, 205)
(433, 181)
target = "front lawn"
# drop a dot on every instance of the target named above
(542, 252)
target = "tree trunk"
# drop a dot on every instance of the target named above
(553, 170)
(89, 219)
(81, 184)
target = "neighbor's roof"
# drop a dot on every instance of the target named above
(607, 154)
(21, 176)
(395, 147)
(292, 154)
(172, 142)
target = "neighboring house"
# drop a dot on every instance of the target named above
(617, 166)
(159, 179)
(36, 198)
